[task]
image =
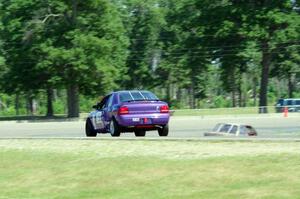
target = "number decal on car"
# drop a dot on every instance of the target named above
(98, 117)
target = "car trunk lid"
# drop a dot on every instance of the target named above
(140, 107)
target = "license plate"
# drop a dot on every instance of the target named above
(135, 119)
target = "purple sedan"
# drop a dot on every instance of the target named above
(129, 111)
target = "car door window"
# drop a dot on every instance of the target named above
(102, 104)
(243, 130)
(109, 101)
(225, 128)
(217, 127)
(233, 130)
(280, 102)
(289, 102)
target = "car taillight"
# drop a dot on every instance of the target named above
(123, 110)
(164, 109)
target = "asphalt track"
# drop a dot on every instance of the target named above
(188, 127)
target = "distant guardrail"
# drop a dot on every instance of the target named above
(234, 111)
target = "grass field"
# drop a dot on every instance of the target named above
(43, 169)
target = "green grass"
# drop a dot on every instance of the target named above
(148, 169)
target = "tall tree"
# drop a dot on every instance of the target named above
(2, 60)
(185, 57)
(79, 45)
(270, 24)
(90, 51)
(145, 23)
(287, 65)
(17, 42)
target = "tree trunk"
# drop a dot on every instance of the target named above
(255, 92)
(233, 98)
(30, 106)
(49, 102)
(290, 86)
(169, 94)
(73, 101)
(191, 97)
(232, 85)
(240, 96)
(55, 94)
(1, 104)
(74, 11)
(179, 96)
(17, 104)
(266, 61)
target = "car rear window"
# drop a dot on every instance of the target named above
(137, 96)
(149, 95)
(125, 96)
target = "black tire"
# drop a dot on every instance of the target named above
(114, 128)
(140, 133)
(164, 131)
(89, 129)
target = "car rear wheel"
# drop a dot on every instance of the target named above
(140, 133)
(89, 129)
(114, 128)
(164, 131)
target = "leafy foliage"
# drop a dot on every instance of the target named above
(195, 53)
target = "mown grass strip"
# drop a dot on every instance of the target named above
(41, 169)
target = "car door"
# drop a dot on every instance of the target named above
(98, 116)
(107, 110)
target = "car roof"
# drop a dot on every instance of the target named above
(131, 91)
(124, 91)
(291, 99)
(237, 124)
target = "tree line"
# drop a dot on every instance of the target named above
(190, 52)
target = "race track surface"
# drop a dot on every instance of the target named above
(268, 126)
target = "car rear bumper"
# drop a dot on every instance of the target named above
(139, 120)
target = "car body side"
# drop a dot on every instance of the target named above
(228, 129)
(292, 105)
